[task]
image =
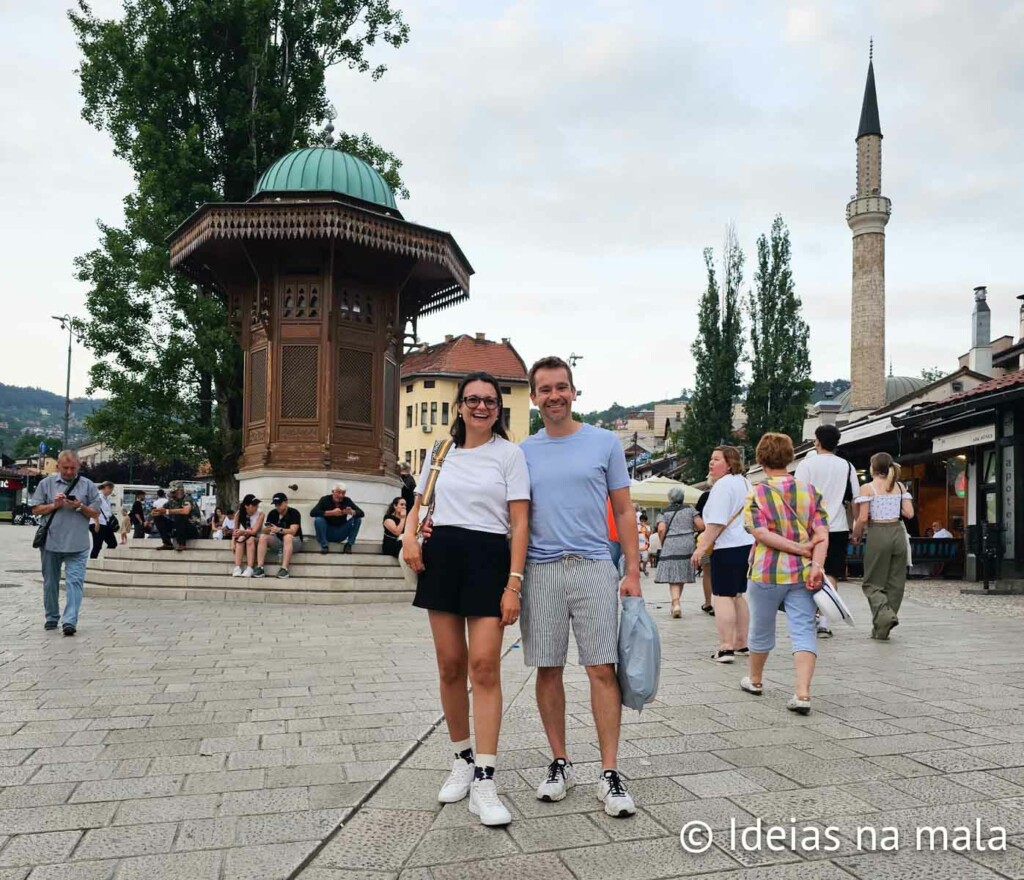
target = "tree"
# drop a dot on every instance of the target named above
(780, 384)
(933, 374)
(199, 98)
(28, 444)
(716, 351)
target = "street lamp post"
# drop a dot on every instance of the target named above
(66, 323)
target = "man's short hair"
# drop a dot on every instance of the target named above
(404, 468)
(106, 483)
(827, 436)
(66, 454)
(139, 495)
(339, 487)
(551, 362)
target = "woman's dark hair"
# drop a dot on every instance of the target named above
(459, 426)
(392, 506)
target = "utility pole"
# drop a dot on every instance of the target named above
(67, 323)
(635, 440)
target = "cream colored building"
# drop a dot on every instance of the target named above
(430, 380)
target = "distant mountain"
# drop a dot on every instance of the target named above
(38, 411)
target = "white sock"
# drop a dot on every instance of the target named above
(823, 621)
(462, 745)
(486, 760)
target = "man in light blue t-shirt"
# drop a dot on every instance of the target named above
(574, 470)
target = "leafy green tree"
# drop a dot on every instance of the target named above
(199, 98)
(933, 374)
(716, 351)
(780, 384)
(28, 444)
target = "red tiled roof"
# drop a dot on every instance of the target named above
(466, 354)
(1001, 383)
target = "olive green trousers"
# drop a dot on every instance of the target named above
(885, 575)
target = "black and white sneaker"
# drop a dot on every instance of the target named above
(258, 572)
(727, 656)
(611, 791)
(561, 777)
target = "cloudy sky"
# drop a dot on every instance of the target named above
(584, 153)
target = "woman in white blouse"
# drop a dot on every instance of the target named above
(470, 580)
(881, 503)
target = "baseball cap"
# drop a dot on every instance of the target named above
(278, 498)
(250, 499)
(105, 483)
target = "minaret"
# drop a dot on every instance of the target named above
(867, 213)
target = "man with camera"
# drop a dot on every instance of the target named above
(70, 501)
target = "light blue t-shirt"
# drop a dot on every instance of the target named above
(570, 478)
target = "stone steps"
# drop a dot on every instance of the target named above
(203, 571)
(360, 548)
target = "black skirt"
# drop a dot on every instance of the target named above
(465, 572)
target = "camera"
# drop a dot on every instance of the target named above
(70, 498)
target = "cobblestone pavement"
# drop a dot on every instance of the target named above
(197, 740)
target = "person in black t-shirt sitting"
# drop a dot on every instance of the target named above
(336, 517)
(394, 525)
(281, 532)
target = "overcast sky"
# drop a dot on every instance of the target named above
(584, 153)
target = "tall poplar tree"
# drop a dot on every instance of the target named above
(717, 351)
(780, 385)
(199, 98)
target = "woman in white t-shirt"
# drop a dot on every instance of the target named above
(470, 578)
(723, 528)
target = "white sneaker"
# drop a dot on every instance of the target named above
(748, 685)
(248, 572)
(801, 707)
(561, 777)
(456, 786)
(237, 573)
(485, 803)
(612, 792)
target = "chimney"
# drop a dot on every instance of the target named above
(507, 339)
(827, 410)
(448, 337)
(980, 357)
(481, 337)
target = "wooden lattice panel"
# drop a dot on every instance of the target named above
(356, 307)
(354, 387)
(299, 382)
(390, 395)
(300, 301)
(258, 386)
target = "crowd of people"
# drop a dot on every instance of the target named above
(544, 534)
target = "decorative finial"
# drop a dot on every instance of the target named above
(871, 50)
(890, 368)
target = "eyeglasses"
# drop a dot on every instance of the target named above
(473, 402)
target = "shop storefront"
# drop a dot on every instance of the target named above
(11, 486)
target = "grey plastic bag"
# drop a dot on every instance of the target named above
(639, 654)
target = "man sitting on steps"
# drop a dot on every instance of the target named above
(336, 518)
(281, 533)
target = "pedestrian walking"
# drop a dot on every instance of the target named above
(723, 531)
(836, 481)
(703, 570)
(881, 504)
(104, 526)
(70, 500)
(570, 578)
(138, 516)
(678, 541)
(470, 580)
(787, 520)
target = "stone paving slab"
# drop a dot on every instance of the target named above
(176, 739)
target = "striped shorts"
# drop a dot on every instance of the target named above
(584, 591)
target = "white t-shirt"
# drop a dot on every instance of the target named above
(728, 496)
(943, 533)
(830, 475)
(475, 485)
(159, 504)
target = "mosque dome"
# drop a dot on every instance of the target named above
(322, 170)
(895, 388)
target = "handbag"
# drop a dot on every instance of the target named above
(830, 604)
(437, 457)
(39, 539)
(711, 547)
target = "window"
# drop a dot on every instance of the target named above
(423, 413)
(423, 458)
(408, 457)
(408, 417)
(428, 383)
(409, 388)
(506, 417)
(506, 389)
(433, 413)
(444, 413)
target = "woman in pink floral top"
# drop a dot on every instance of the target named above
(790, 530)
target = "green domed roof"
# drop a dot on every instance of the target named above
(318, 169)
(895, 388)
